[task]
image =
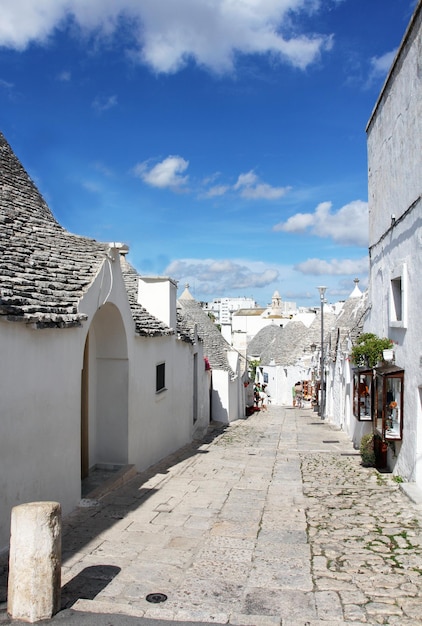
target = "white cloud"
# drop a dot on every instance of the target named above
(212, 276)
(104, 104)
(8, 89)
(167, 174)
(91, 186)
(64, 76)
(4, 84)
(334, 267)
(169, 33)
(297, 223)
(217, 190)
(380, 66)
(348, 226)
(250, 187)
(103, 169)
(23, 21)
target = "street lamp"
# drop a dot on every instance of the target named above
(322, 291)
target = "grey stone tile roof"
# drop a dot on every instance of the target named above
(44, 269)
(349, 323)
(280, 345)
(262, 339)
(315, 328)
(284, 346)
(215, 346)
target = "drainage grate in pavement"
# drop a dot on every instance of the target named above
(330, 441)
(156, 598)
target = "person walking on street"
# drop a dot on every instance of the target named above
(257, 394)
(298, 394)
(264, 398)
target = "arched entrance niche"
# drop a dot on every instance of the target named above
(104, 397)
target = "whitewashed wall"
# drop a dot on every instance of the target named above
(220, 401)
(160, 423)
(281, 380)
(40, 391)
(395, 165)
(339, 400)
(40, 418)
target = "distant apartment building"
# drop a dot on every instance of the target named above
(223, 308)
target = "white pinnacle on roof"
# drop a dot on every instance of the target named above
(186, 295)
(356, 293)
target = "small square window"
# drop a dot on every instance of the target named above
(160, 377)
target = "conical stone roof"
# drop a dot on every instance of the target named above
(215, 346)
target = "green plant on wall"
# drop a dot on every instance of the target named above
(252, 369)
(368, 349)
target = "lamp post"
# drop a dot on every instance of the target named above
(313, 375)
(322, 395)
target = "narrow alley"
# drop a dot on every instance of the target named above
(271, 521)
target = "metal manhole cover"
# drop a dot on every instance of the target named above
(156, 598)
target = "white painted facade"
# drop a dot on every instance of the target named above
(281, 368)
(339, 396)
(228, 371)
(281, 380)
(395, 228)
(223, 308)
(51, 394)
(245, 324)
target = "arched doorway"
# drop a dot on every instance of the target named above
(104, 392)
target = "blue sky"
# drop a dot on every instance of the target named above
(222, 140)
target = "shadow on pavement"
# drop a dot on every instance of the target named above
(103, 514)
(87, 584)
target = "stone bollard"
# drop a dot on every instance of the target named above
(34, 561)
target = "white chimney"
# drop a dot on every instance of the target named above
(158, 294)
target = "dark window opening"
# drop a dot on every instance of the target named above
(396, 292)
(160, 377)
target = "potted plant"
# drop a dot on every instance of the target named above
(368, 350)
(367, 450)
(373, 451)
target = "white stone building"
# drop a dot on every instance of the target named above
(223, 308)
(88, 376)
(339, 370)
(292, 353)
(394, 137)
(228, 368)
(246, 323)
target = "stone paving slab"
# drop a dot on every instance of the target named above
(271, 521)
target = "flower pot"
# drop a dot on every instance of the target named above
(388, 355)
(380, 449)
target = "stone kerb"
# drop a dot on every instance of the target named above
(35, 561)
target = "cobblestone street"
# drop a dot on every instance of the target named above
(271, 521)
